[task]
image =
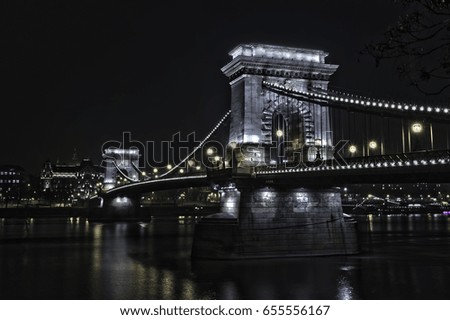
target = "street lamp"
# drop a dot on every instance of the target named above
(209, 151)
(155, 170)
(372, 145)
(318, 144)
(352, 149)
(416, 127)
(169, 166)
(280, 147)
(218, 162)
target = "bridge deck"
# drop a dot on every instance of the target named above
(431, 166)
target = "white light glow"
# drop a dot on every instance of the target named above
(416, 127)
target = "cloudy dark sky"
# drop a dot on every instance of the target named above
(79, 73)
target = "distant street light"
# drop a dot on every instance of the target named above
(352, 149)
(318, 144)
(372, 145)
(169, 166)
(416, 127)
(279, 133)
(209, 151)
(155, 170)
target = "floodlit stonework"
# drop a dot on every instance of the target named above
(260, 220)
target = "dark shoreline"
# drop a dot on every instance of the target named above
(97, 213)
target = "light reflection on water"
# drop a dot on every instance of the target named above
(403, 257)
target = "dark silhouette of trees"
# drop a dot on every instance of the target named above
(419, 44)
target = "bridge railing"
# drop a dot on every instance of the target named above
(389, 160)
(402, 157)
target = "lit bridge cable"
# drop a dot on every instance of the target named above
(345, 100)
(200, 144)
(142, 173)
(159, 184)
(122, 173)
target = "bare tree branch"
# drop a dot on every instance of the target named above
(419, 43)
(431, 93)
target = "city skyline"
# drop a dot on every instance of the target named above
(79, 76)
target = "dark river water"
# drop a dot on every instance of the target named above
(403, 257)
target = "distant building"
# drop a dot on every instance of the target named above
(69, 184)
(420, 192)
(14, 184)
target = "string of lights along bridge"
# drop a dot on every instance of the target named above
(336, 96)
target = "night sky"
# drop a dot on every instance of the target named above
(76, 74)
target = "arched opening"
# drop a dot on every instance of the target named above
(297, 131)
(279, 136)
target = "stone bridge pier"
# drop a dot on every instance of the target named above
(117, 208)
(262, 222)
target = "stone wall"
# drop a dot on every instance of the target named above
(276, 222)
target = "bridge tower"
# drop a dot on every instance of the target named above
(261, 118)
(120, 162)
(260, 217)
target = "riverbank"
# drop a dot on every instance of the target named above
(145, 212)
